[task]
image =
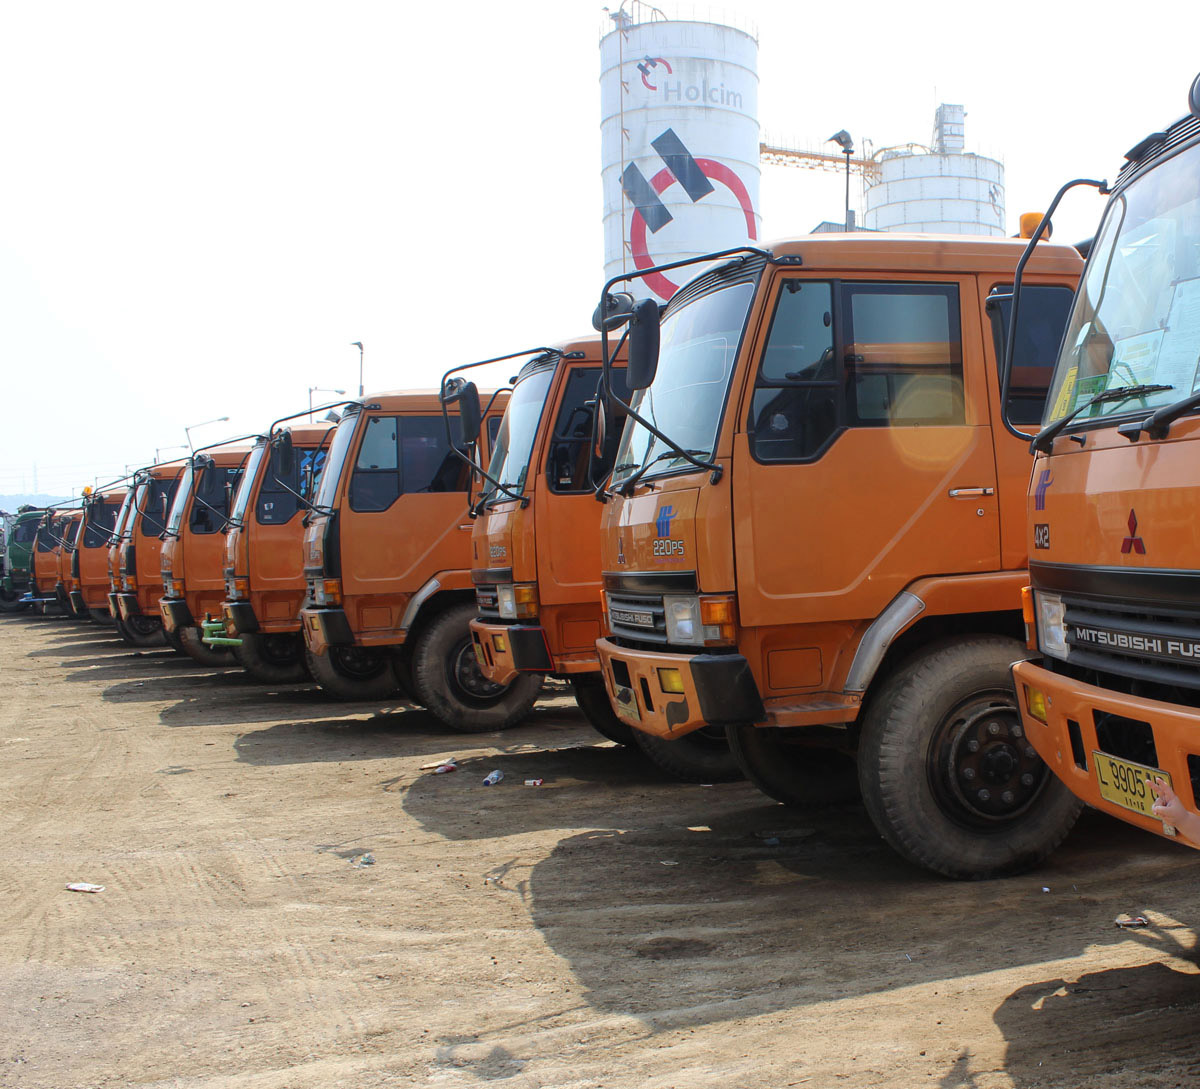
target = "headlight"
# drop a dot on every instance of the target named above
(517, 601)
(1051, 624)
(699, 621)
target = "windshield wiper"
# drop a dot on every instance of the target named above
(1044, 438)
(626, 486)
(1158, 424)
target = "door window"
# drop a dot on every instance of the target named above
(405, 454)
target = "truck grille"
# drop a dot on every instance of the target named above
(1144, 641)
(637, 616)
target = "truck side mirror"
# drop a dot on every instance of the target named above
(643, 344)
(469, 411)
(285, 453)
(614, 311)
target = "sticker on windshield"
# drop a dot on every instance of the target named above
(1135, 360)
(1066, 395)
(1180, 352)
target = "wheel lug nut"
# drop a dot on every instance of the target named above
(1030, 751)
(972, 745)
(993, 728)
(1018, 731)
(1007, 797)
(968, 773)
(984, 795)
(1027, 780)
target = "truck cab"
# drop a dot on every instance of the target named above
(65, 562)
(1110, 697)
(138, 573)
(264, 575)
(822, 547)
(46, 560)
(89, 594)
(387, 562)
(18, 558)
(193, 550)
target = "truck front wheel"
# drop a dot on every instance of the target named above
(192, 641)
(787, 766)
(703, 756)
(353, 673)
(947, 774)
(10, 601)
(592, 697)
(142, 631)
(273, 657)
(451, 686)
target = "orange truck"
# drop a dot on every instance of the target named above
(135, 572)
(387, 562)
(264, 575)
(814, 533)
(1113, 611)
(65, 555)
(536, 551)
(46, 560)
(192, 556)
(89, 563)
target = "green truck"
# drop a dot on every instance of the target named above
(20, 529)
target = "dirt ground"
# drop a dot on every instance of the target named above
(609, 928)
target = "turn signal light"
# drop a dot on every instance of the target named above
(242, 586)
(1027, 616)
(333, 591)
(1035, 701)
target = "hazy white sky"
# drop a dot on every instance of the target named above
(202, 205)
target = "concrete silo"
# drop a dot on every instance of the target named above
(679, 141)
(942, 189)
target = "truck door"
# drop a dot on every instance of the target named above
(866, 459)
(406, 513)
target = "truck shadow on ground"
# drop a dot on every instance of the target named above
(758, 909)
(401, 730)
(1142, 1020)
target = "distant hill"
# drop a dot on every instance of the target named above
(10, 503)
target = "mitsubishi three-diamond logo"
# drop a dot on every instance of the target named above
(1133, 543)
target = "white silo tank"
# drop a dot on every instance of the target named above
(679, 143)
(944, 190)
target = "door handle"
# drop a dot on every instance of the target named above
(970, 493)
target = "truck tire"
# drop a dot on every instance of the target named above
(783, 766)
(404, 677)
(592, 697)
(947, 774)
(273, 657)
(702, 756)
(192, 640)
(353, 673)
(142, 631)
(10, 601)
(451, 687)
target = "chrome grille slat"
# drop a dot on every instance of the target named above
(637, 605)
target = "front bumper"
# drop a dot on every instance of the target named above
(239, 617)
(175, 613)
(77, 602)
(504, 650)
(717, 689)
(127, 604)
(1071, 707)
(325, 628)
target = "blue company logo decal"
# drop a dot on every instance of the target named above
(1039, 493)
(662, 524)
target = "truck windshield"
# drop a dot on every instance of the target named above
(1136, 319)
(514, 444)
(101, 517)
(121, 529)
(241, 499)
(343, 437)
(698, 346)
(153, 493)
(24, 532)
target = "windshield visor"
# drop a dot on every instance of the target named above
(698, 348)
(514, 443)
(1136, 319)
(343, 437)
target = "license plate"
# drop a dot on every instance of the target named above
(626, 705)
(1125, 783)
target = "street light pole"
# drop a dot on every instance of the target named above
(358, 344)
(844, 140)
(204, 423)
(320, 389)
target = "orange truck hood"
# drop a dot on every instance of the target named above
(654, 531)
